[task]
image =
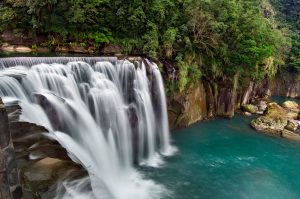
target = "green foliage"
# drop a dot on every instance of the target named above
(210, 38)
(151, 37)
(97, 37)
(183, 73)
(288, 12)
(7, 14)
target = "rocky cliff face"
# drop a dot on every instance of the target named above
(209, 99)
(285, 85)
(202, 101)
(9, 179)
(31, 164)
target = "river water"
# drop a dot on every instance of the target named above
(227, 159)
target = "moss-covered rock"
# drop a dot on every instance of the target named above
(290, 105)
(249, 108)
(269, 125)
(275, 111)
(278, 126)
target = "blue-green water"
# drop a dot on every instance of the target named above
(280, 99)
(227, 159)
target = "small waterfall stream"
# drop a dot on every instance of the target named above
(107, 113)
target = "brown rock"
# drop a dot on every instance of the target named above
(23, 49)
(111, 49)
(8, 48)
(290, 105)
(290, 135)
(62, 49)
(247, 114)
(42, 50)
(269, 125)
(91, 49)
(45, 173)
(250, 108)
(275, 111)
(188, 107)
(79, 49)
(292, 125)
(262, 105)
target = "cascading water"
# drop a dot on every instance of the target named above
(107, 113)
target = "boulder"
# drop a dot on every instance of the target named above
(290, 135)
(23, 49)
(7, 48)
(249, 108)
(62, 49)
(275, 111)
(277, 126)
(292, 125)
(269, 125)
(290, 105)
(247, 114)
(262, 106)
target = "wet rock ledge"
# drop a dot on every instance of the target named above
(31, 164)
(9, 181)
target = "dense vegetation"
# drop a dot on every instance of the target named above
(205, 38)
(289, 14)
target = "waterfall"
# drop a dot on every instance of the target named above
(109, 114)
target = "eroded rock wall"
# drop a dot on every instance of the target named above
(202, 101)
(285, 85)
(222, 98)
(9, 178)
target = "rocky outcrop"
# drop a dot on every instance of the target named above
(290, 105)
(269, 125)
(285, 84)
(42, 162)
(202, 101)
(189, 107)
(278, 121)
(250, 108)
(209, 99)
(15, 48)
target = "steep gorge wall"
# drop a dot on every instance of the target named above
(202, 101)
(285, 85)
(209, 99)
